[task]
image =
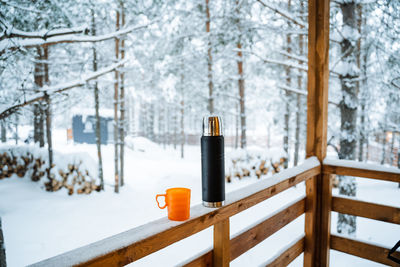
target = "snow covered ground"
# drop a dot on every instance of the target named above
(38, 224)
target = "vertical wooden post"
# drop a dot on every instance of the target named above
(318, 189)
(222, 253)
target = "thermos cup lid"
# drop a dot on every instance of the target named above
(212, 125)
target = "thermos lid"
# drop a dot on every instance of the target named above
(212, 125)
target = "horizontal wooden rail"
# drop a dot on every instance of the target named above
(288, 255)
(256, 233)
(363, 250)
(366, 209)
(129, 246)
(361, 169)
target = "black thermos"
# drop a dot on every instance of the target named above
(212, 162)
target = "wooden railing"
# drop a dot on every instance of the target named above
(364, 209)
(142, 241)
(139, 242)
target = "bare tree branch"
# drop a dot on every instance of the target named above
(51, 90)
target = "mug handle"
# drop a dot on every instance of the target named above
(161, 195)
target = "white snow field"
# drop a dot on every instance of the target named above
(38, 224)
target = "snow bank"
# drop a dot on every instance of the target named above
(76, 172)
(141, 144)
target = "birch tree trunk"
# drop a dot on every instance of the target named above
(143, 118)
(48, 111)
(3, 131)
(298, 97)
(38, 118)
(392, 148)
(362, 85)
(116, 104)
(150, 124)
(132, 126)
(182, 115)
(160, 123)
(384, 146)
(97, 105)
(209, 61)
(287, 99)
(237, 113)
(16, 123)
(48, 135)
(122, 103)
(243, 140)
(175, 122)
(168, 124)
(348, 110)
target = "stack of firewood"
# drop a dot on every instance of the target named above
(20, 165)
(74, 178)
(252, 164)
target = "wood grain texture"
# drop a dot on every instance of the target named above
(374, 174)
(318, 77)
(205, 260)
(318, 220)
(362, 250)
(324, 220)
(127, 247)
(366, 209)
(255, 234)
(221, 253)
(258, 233)
(310, 222)
(317, 127)
(289, 255)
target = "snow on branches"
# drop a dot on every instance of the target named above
(51, 90)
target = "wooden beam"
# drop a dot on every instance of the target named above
(366, 209)
(139, 242)
(221, 253)
(205, 260)
(289, 255)
(317, 219)
(374, 174)
(310, 222)
(363, 250)
(255, 234)
(324, 229)
(318, 77)
(258, 233)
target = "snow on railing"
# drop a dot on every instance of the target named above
(360, 165)
(141, 241)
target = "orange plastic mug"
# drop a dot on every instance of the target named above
(178, 201)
